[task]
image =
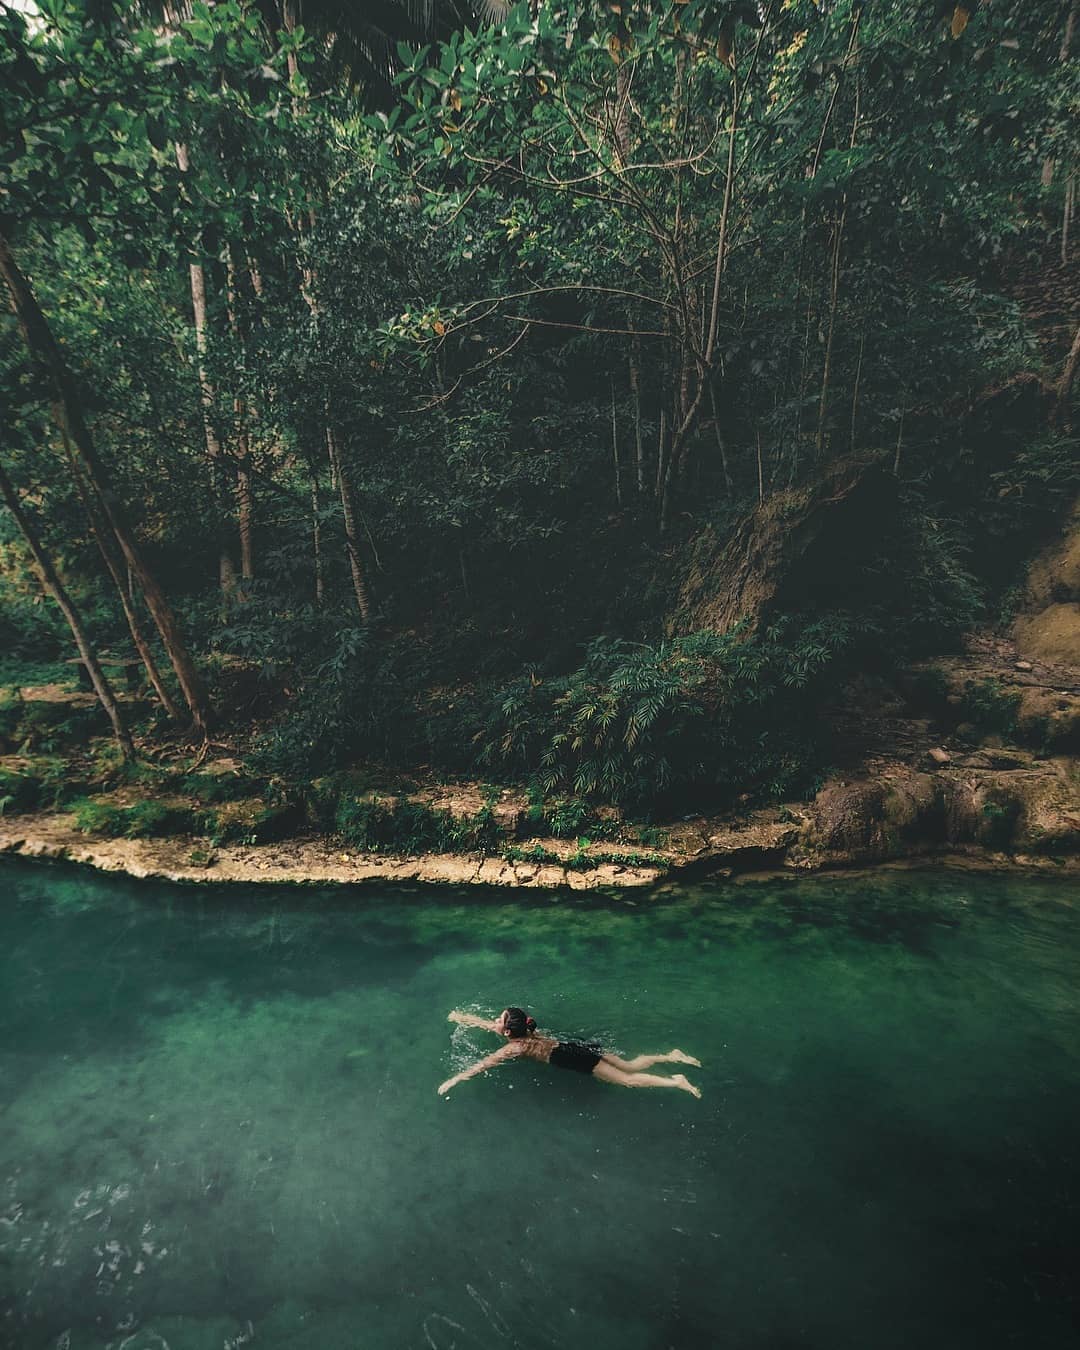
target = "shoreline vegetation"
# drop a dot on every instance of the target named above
(988, 807)
(747, 854)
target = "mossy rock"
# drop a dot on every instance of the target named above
(1050, 823)
(1049, 720)
(847, 818)
(913, 811)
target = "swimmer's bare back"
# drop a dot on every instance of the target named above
(523, 1041)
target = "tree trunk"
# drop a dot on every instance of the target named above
(124, 588)
(834, 294)
(316, 539)
(53, 585)
(615, 448)
(244, 494)
(720, 440)
(245, 506)
(197, 277)
(855, 391)
(348, 511)
(635, 391)
(67, 412)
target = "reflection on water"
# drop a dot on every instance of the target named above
(218, 1120)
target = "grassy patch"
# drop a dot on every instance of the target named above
(398, 825)
(581, 860)
(16, 673)
(142, 820)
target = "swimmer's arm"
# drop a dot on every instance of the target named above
(471, 1020)
(481, 1066)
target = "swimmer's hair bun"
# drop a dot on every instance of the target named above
(530, 1022)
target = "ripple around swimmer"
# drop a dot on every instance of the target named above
(218, 1123)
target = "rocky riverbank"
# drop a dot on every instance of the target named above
(992, 808)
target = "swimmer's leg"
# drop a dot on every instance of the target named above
(608, 1073)
(640, 1062)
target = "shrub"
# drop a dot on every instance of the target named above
(637, 723)
(18, 792)
(562, 817)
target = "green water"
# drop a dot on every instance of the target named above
(219, 1125)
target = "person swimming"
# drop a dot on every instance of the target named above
(523, 1042)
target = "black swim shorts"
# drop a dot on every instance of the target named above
(573, 1055)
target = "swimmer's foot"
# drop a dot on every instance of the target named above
(684, 1083)
(681, 1057)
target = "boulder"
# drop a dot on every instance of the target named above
(794, 549)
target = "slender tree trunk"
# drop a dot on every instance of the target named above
(245, 506)
(837, 247)
(316, 539)
(197, 278)
(622, 114)
(720, 440)
(855, 391)
(54, 586)
(67, 412)
(661, 438)
(635, 392)
(124, 587)
(348, 511)
(615, 448)
(760, 474)
(725, 209)
(244, 493)
(1067, 215)
(288, 22)
(834, 293)
(899, 443)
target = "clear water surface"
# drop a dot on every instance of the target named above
(219, 1125)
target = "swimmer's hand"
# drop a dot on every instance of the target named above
(481, 1066)
(467, 1019)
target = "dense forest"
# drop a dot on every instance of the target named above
(578, 395)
